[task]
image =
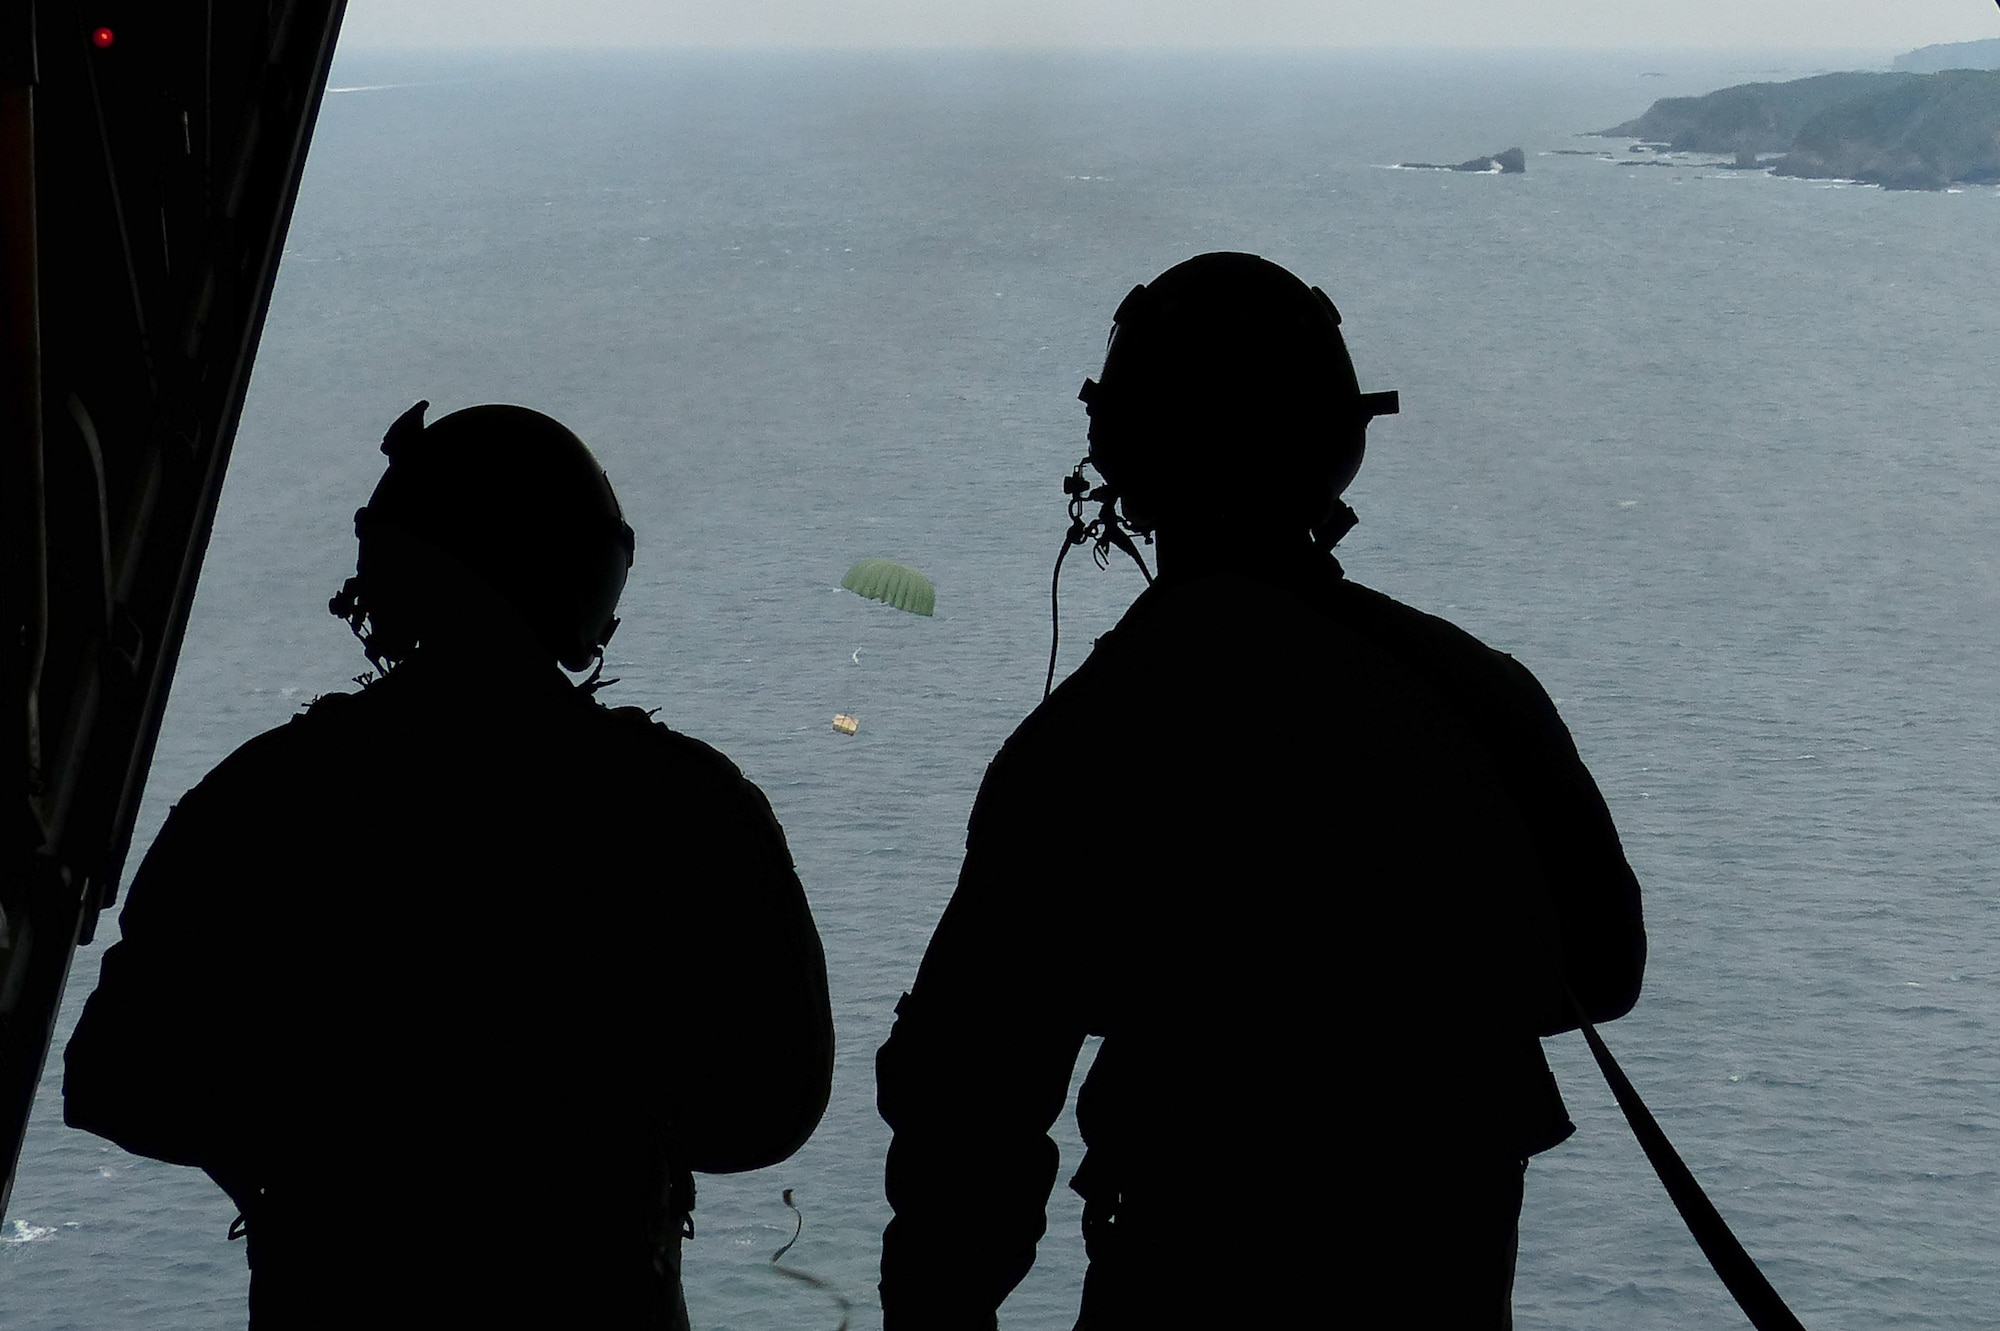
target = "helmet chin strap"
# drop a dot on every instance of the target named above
(1338, 523)
(1104, 531)
(1109, 529)
(596, 680)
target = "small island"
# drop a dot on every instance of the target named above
(1506, 162)
(1898, 130)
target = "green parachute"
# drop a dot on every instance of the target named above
(891, 583)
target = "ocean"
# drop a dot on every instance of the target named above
(1714, 453)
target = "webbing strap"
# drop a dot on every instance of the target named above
(1753, 1293)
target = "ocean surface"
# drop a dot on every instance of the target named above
(1714, 453)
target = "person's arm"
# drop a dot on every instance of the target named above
(973, 1076)
(157, 1060)
(756, 1060)
(1591, 886)
(1591, 890)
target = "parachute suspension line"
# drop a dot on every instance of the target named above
(1105, 530)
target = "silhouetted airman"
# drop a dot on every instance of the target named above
(451, 982)
(1318, 867)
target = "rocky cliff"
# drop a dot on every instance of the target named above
(1942, 131)
(1760, 117)
(1898, 130)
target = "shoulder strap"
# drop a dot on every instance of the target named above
(1753, 1293)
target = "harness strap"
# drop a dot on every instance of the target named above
(1740, 1274)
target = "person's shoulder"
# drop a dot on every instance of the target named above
(639, 742)
(1381, 609)
(1112, 673)
(641, 727)
(314, 727)
(650, 770)
(270, 774)
(1495, 691)
(1404, 628)
(1174, 632)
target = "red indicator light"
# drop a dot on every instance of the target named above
(102, 38)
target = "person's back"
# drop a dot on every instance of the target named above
(1312, 863)
(450, 982)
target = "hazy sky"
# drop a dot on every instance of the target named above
(1891, 25)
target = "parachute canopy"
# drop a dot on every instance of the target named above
(893, 584)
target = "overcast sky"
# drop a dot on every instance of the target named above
(1891, 25)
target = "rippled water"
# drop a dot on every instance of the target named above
(1712, 452)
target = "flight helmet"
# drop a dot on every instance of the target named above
(1227, 352)
(514, 498)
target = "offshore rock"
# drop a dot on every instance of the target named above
(1506, 162)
